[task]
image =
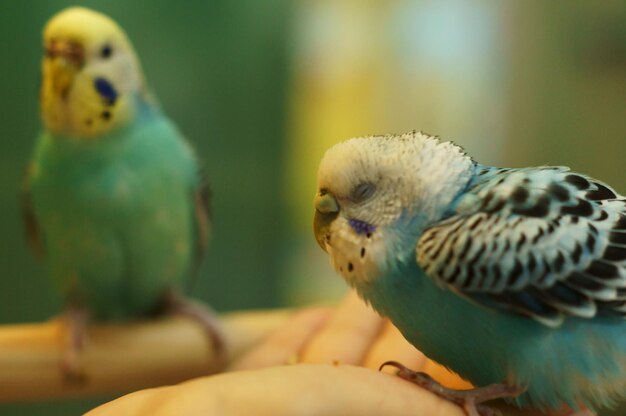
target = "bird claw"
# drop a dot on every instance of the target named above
(469, 400)
(203, 315)
(73, 374)
(71, 370)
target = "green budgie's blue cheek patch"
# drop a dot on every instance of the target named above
(106, 90)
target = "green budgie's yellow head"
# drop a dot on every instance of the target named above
(90, 75)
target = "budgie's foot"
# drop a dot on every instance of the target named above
(469, 400)
(76, 323)
(202, 314)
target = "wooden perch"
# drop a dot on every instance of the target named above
(122, 357)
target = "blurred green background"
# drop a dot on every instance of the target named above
(262, 88)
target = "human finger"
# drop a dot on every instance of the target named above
(285, 343)
(391, 345)
(347, 335)
(296, 390)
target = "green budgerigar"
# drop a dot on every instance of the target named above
(113, 199)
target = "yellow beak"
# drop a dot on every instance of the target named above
(326, 210)
(63, 61)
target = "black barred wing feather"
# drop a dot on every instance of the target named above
(543, 242)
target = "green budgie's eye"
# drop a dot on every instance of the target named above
(362, 191)
(106, 51)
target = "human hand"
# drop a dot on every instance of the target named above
(331, 348)
(349, 334)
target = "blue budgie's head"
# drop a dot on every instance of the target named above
(90, 74)
(376, 194)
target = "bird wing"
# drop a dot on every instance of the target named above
(543, 242)
(31, 226)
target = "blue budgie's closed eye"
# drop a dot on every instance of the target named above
(362, 191)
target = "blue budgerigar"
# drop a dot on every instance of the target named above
(514, 278)
(113, 199)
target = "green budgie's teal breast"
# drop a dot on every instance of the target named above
(117, 214)
(513, 276)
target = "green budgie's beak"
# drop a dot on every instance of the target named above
(326, 210)
(64, 61)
